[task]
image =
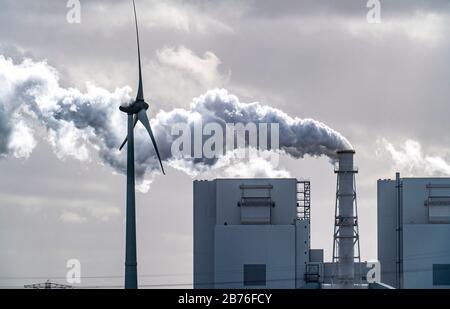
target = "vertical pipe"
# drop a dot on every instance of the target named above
(346, 196)
(399, 230)
(130, 245)
(295, 253)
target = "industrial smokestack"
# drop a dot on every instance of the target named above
(346, 221)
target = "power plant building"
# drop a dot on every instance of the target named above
(255, 233)
(248, 233)
(414, 232)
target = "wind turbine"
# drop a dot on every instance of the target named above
(137, 111)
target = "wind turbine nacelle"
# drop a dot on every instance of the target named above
(134, 108)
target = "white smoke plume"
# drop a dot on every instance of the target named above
(410, 159)
(78, 123)
(236, 163)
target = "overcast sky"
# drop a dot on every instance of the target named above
(385, 87)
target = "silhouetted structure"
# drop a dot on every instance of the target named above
(137, 111)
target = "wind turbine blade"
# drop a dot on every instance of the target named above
(142, 115)
(135, 120)
(140, 94)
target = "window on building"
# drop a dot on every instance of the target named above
(255, 274)
(441, 274)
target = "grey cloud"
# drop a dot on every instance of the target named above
(269, 9)
(306, 54)
(298, 55)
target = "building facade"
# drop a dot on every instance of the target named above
(251, 233)
(414, 232)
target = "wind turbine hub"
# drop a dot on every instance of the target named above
(134, 108)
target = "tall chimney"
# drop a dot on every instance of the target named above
(346, 234)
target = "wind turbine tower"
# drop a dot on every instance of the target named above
(137, 111)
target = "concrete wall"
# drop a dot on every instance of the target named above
(273, 245)
(423, 243)
(204, 223)
(423, 246)
(387, 235)
(415, 193)
(283, 194)
(303, 244)
(222, 245)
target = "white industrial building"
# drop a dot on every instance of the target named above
(414, 232)
(255, 233)
(248, 233)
